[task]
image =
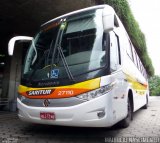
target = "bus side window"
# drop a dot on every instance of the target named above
(115, 58)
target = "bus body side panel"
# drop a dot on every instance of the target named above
(136, 81)
(118, 96)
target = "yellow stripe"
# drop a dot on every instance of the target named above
(137, 86)
(89, 85)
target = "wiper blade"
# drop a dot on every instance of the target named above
(59, 48)
(65, 63)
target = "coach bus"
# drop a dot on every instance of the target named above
(81, 69)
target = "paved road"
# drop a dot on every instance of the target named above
(146, 123)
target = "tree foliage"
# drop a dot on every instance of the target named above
(124, 12)
(154, 83)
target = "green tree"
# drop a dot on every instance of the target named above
(154, 85)
(124, 12)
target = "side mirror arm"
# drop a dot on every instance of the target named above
(12, 42)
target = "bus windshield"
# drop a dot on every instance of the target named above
(79, 38)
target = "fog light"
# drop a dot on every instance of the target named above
(101, 114)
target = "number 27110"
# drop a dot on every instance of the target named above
(67, 92)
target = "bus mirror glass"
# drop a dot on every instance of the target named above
(12, 42)
(108, 23)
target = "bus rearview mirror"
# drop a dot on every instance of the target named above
(12, 42)
(108, 23)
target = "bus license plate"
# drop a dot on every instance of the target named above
(47, 116)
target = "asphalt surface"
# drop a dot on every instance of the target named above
(145, 127)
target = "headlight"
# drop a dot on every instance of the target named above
(96, 93)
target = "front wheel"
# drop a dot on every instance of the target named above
(125, 122)
(146, 105)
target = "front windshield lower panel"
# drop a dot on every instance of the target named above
(82, 48)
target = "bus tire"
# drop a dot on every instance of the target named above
(125, 122)
(146, 105)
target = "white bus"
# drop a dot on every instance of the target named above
(81, 69)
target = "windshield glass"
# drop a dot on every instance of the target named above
(80, 40)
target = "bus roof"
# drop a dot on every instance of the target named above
(78, 11)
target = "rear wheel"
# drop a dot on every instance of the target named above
(125, 122)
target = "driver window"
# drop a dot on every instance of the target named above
(114, 52)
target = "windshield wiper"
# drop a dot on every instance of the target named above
(65, 63)
(59, 48)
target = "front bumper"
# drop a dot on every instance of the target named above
(81, 115)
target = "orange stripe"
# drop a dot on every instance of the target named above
(58, 93)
